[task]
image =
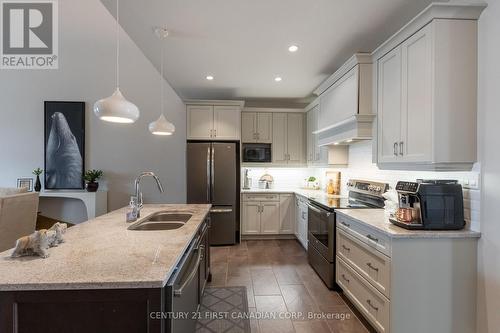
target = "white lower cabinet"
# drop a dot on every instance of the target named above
(407, 284)
(251, 217)
(267, 214)
(374, 306)
(270, 217)
(287, 214)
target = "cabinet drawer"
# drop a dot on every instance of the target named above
(261, 197)
(372, 304)
(369, 263)
(367, 235)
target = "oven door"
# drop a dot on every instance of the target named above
(321, 233)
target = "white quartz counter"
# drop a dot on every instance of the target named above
(103, 254)
(376, 219)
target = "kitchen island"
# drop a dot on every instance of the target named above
(105, 277)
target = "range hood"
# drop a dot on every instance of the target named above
(353, 129)
(345, 103)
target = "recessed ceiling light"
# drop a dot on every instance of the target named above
(336, 143)
(350, 140)
(293, 48)
(278, 78)
(209, 77)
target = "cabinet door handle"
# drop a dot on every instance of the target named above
(370, 237)
(395, 149)
(369, 264)
(401, 150)
(346, 279)
(348, 249)
(215, 133)
(371, 305)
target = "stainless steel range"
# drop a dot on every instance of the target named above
(321, 223)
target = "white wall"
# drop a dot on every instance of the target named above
(489, 154)
(87, 73)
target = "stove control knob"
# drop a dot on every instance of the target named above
(377, 188)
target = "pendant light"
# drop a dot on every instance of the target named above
(116, 108)
(162, 126)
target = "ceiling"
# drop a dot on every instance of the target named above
(244, 43)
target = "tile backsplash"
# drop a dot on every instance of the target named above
(361, 167)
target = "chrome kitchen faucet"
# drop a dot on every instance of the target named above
(137, 201)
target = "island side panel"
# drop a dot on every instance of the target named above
(433, 285)
(62, 311)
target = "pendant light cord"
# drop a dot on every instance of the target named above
(117, 44)
(161, 76)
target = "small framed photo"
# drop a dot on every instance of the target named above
(25, 182)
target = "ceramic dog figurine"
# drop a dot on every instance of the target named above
(35, 244)
(56, 233)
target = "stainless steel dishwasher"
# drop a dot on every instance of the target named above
(183, 290)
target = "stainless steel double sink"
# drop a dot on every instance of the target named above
(165, 220)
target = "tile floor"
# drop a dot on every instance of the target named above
(279, 279)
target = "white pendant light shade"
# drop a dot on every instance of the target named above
(116, 109)
(161, 126)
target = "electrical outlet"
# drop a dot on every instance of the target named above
(472, 181)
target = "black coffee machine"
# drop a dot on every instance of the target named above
(430, 205)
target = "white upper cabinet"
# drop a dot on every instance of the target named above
(280, 152)
(213, 122)
(200, 120)
(389, 105)
(426, 97)
(288, 138)
(226, 122)
(295, 138)
(256, 127)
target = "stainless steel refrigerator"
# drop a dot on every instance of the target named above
(213, 177)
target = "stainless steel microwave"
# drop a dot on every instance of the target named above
(257, 153)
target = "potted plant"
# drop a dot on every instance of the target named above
(91, 177)
(37, 172)
(311, 182)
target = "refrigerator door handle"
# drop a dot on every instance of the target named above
(213, 173)
(208, 174)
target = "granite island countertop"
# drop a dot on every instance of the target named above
(376, 220)
(103, 254)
